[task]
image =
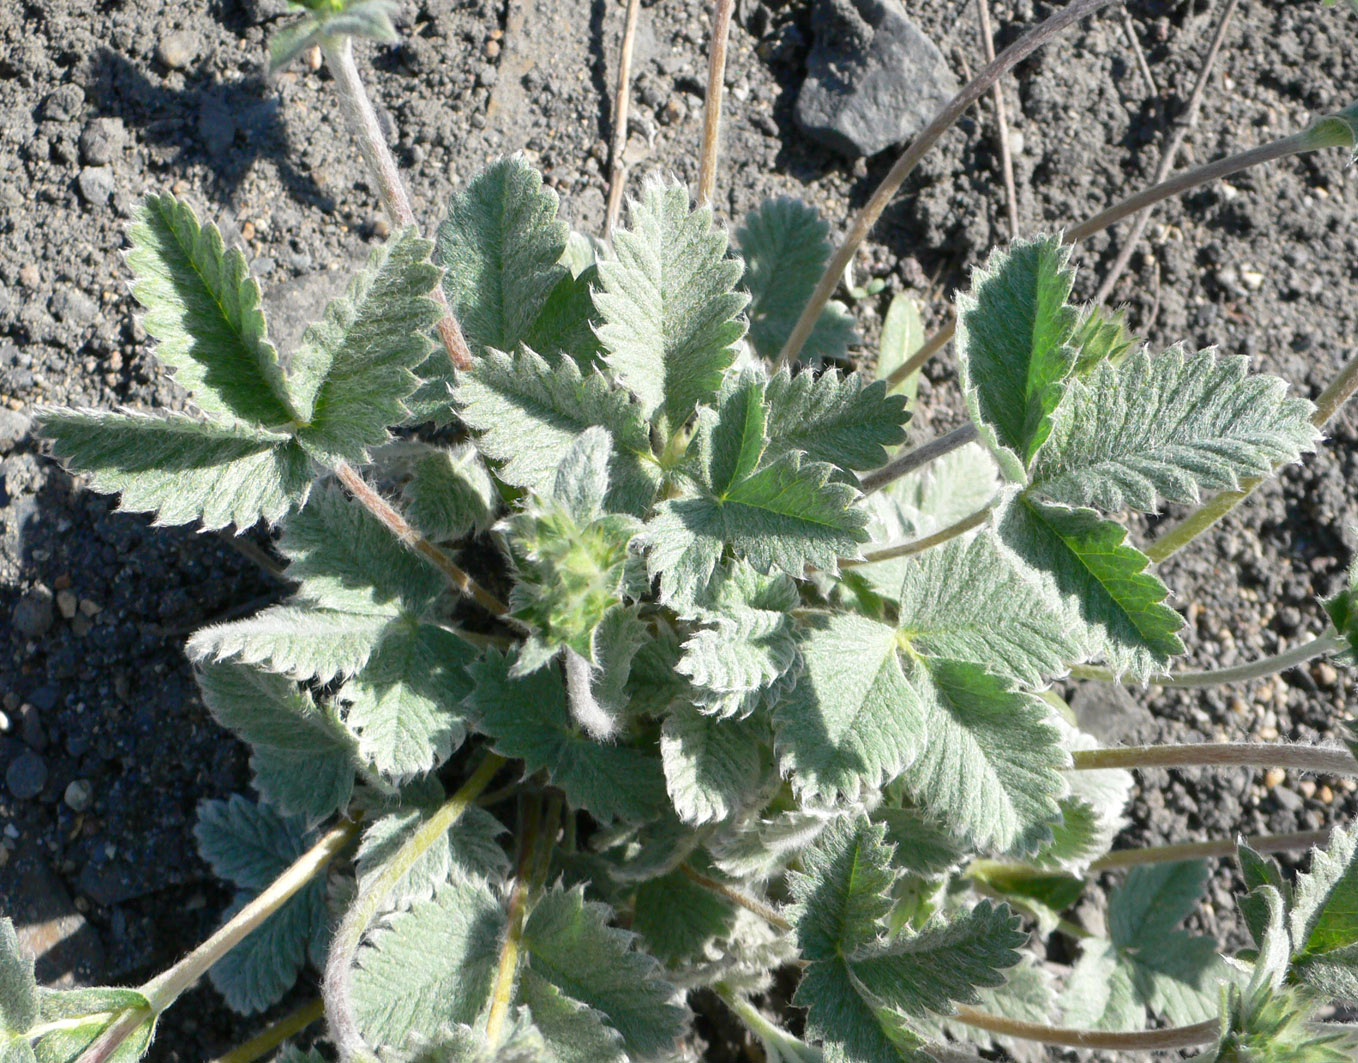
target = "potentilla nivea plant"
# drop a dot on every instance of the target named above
(749, 689)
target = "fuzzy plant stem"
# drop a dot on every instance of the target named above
(617, 171)
(716, 84)
(771, 1035)
(358, 109)
(918, 546)
(905, 165)
(1319, 136)
(920, 456)
(378, 506)
(339, 964)
(1136, 1041)
(743, 900)
(1173, 853)
(262, 1044)
(1239, 673)
(1320, 760)
(166, 988)
(502, 989)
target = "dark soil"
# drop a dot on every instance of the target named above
(102, 102)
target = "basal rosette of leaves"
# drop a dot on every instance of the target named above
(739, 743)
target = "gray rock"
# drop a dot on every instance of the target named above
(96, 185)
(74, 307)
(34, 614)
(79, 795)
(177, 50)
(64, 104)
(873, 79)
(102, 141)
(26, 776)
(13, 427)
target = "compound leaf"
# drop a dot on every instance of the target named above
(301, 754)
(843, 890)
(853, 720)
(529, 413)
(1103, 582)
(786, 246)
(353, 369)
(571, 946)
(786, 515)
(1147, 430)
(1324, 918)
(181, 468)
(527, 718)
(966, 601)
(992, 766)
(203, 306)
(846, 420)
(1014, 331)
(669, 304)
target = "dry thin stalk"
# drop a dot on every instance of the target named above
(1141, 63)
(617, 176)
(1321, 760)
(1001, 120)
(1137, 1041)
(1167, 854)
(917, 458)
(905, 165)
(1187, 121)
(716, 82)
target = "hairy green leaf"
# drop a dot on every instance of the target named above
(251, 845)
(747, 651)
(18, 991)
(669, 304)
(302, 756)
(1324, 918)
(181, 468)
(203, 306)
(966, 601)
(77, 1017)
(786, 246)
(713, 766)
(1264, 1024)
(1014, 332)
(992, 765)
(1102, 581)
(528, 414)
(846, 420)
(527, 719)
(329, 19)
(353, 370)
(1168, 428)
(853, 719)
(450, 494)
(758, 848)
(571, 946)
(677, 919)
(842, 892)
(401, 984)
(786, 515)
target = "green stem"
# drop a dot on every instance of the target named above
(368, 904)
(164, 990)
(918, 458)
(952, 531)
(1134, 1041)
(502, 989)
(1278, 662)
(928, 137)
(1320, 760)
(1169, 854)
(771, 1035)
(265, 1042)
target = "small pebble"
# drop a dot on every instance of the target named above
(1324, 674)
(102, 141)
(33, 616)
(1324, 795)
(313, 57)
(96, 185)
(1252, 279)
(26, 776)
(1307, 789)
(29, 276)
(381, 227)
(177, 50)
(79, 795)
(1274, 777)
(89, 608)
(67, 604)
